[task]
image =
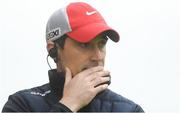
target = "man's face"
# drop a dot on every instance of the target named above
(80, 56)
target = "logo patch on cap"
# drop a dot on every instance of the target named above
(91, 13)
(54, 34)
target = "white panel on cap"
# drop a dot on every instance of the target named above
(57, 25)
(66, 16)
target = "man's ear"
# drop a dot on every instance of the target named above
(52, 50)
(50, 45)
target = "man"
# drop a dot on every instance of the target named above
(76, 39)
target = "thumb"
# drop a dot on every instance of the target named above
(68, 76)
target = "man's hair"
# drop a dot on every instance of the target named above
(61, 41)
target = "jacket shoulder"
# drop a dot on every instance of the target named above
(26, 100)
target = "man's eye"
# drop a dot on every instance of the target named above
(102, 43)
(84, 45)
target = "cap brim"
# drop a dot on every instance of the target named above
(89, 32)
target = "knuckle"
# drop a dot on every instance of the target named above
(107, 78)
(89, 84)
(96, 68)
(106, 73)
(99, 73)
(101, 80)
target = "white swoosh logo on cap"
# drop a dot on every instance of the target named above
(91, 13)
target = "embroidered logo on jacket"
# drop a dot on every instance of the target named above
(41, 94)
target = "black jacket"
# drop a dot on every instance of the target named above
(46, 98)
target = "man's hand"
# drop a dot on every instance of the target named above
(80, 90)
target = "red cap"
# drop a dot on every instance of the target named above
(86, 23)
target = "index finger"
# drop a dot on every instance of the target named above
(92, 70)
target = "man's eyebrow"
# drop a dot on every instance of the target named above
(83, 42)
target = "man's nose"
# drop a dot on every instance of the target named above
(97, 55)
